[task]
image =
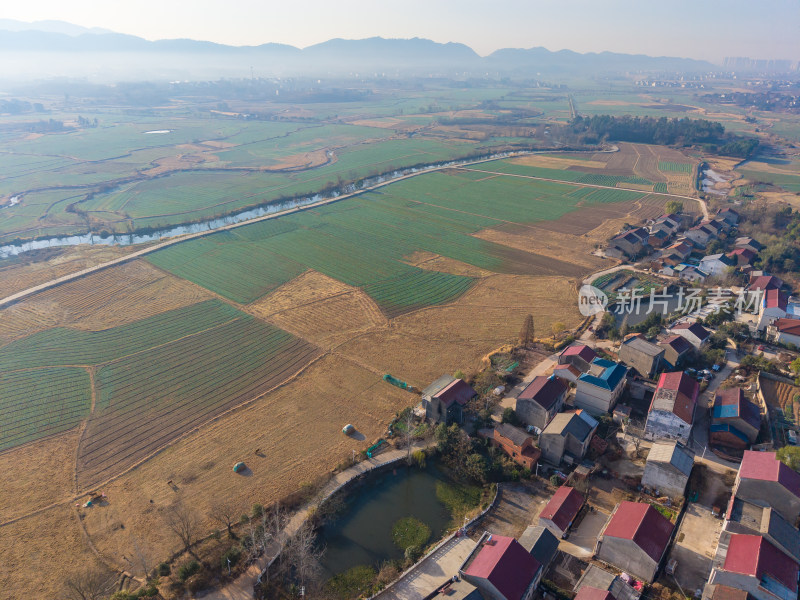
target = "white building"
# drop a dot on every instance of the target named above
(598, 389)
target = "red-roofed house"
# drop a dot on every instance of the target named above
(773, 307)
(784, 331)
(766, 481)
(635, 539)
(444, 399)
(675, 348)
(541, 400)
(592, 593)
(743, 256)
(561, 511)
(578, 355)
(501, 569)
(694, 333)
(671, 413)
(567, 372)
(765, 282)
(753, 564)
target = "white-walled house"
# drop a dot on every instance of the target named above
(598, 389)
(672, 409)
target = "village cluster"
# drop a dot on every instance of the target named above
(711, 507)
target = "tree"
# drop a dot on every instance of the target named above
(673, 206)
(90, 584)
(183, 522)
(795, 365)
(558, 328)
(790, 456)
(476, 467)
(510, 416)
(527, 334)
(225, 514)
(302, 556)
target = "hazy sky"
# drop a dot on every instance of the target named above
(709, 29)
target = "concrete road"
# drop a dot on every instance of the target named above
(431, 572)
(582, 541)
(694, 547)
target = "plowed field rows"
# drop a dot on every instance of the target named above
(148, 399)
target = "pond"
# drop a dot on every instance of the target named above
(362, 533)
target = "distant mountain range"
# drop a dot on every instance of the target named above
(337, 56)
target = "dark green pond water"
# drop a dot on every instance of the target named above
(362, 533)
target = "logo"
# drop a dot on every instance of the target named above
(591, 300)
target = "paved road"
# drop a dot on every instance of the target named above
(432, 572)
(705, 402)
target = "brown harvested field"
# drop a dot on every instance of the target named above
(37, 553)
(386, 122)
(52, 480)
(436, 262)
(311, 286)
(331, 321)
(649, 207)
(623, 160)
(646, 164)
(297, 162)
(50, 264)
(108, 298)
(571, 248)
(420, 346)
(557, 162)
(586, 218)
(778, 394)
(297, 430)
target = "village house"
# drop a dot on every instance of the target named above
(568, 373)
(445, 398)
(751, 563)
(638, 353)
(515, 442)
(749, 243)
(501, 569)
(541, 400)
(784, 331)
(669, 224)
(766, 481)
(681, 248)
(773, 307)
(686, 272)
(694, 333)
(540, 543)
(717, 265)
(745, 517)
(635, 539)
(630, 242)
(599, 388)
(740, 419)
(668, 467)
(702, 233)
(559, 514)
(730, 216)
(671, 413)
(598, 584)
(763, 282)
(567, 437)
(578, 355)
(659, 238)
(666, 263)
(675, 348)
(742, 256)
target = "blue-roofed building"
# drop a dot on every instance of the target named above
(726, 435)
(735, 420)
(598, 389)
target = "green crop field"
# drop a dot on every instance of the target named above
(575, 176)
(363, 241)
(674, 167)
(156, 379)
(661, 187)
(787, 181)
(41, 402)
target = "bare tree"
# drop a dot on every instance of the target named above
(225, 514)
(141, 557)
(302, 555)
(91, 584)
(183, 522)
(273, 533)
